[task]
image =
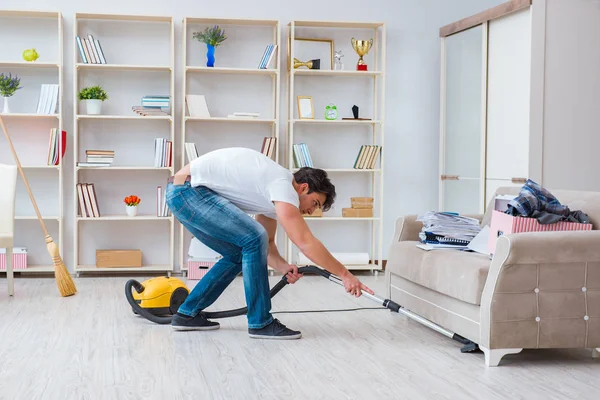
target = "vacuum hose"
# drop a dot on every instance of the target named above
(133, 284)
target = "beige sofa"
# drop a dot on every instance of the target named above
(540, 289)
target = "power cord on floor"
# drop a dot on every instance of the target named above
(321, 311)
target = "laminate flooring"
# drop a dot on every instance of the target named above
(91, 346)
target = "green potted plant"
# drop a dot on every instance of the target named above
(8, 87)
(93, 96)
(213, 37)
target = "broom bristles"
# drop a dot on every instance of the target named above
(64, 281)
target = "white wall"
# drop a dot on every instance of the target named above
(412, 93)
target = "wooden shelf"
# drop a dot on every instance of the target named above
(338, 24)
(139, 217)
(55, 167)
(329, 72)
(117, 17)
(234, 120)
(29, 14)
(28, 115)
(127, 117)
(143, 268)
(232, 21)
(126, 168)
(25, 64)
(33, 269)
(34, 217)
(335, 122)
(226, 70)
(125, 67)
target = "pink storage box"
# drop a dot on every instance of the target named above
(19, 258)
(503, 224)
(198, 268)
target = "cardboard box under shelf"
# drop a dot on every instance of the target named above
(361, 202)
(357, 212)
(118, 258)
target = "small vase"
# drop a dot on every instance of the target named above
(93, 107)
(131, 211)
(210, 55)
(5, 110)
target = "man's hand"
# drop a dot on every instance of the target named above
(291, 273)
(354, 286)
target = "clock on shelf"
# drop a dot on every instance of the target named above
(331, 112)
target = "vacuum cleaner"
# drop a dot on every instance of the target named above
(158, 299)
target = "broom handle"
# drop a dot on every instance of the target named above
(24, 178)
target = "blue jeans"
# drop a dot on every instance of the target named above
(243, 243)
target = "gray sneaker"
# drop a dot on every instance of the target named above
(198, 323)
(275, 330)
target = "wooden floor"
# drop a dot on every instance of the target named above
(91, 346)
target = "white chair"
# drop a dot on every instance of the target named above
(8, 189)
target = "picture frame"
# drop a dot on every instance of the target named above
(306, 109)
(310, 49)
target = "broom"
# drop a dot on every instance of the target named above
(65, 283)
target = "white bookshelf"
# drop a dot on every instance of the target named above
(335, 144)
(234, 84)
(30, 132)
(126, 76)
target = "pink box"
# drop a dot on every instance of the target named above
(503, 224)
(19, 258)
(197, 269)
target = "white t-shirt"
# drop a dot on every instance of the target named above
(248, 178)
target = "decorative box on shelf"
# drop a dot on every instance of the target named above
(361, 202)
(200, 259)
(19, 258)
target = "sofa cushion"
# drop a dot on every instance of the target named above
(455, 273)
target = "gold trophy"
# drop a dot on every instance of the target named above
(361, 47)
(312, 64)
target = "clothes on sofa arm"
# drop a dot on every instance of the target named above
(537, 202)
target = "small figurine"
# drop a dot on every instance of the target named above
(339, 65)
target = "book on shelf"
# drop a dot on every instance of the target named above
(267, 57)
(302, 156)
(367, 156)
(48, 100)
(55, 154)
(196, 106)
(88, 202)
(244, 115)
(90, 50)
(162, 209)
(269, 146)
(191, 151)
(98, 158)
(163, 153)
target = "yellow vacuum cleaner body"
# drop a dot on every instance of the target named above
(162, 295)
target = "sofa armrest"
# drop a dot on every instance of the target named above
(407, 228)
(543, 291)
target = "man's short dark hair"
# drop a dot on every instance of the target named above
(319, 182)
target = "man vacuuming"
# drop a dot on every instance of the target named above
(212, 197)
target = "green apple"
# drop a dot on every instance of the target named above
(30, 55)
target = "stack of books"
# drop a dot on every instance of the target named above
(154, 105)
(162, 209)
(98, 158)
(88, 203)
(163, 153)
(90, 50)
(267, 57)
(191, 151)
(54, 146)
(302, 156)
(367, 156)
(268, 146)
(48, 100)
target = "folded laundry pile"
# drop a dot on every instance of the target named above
(448, 229)
(536, 202)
